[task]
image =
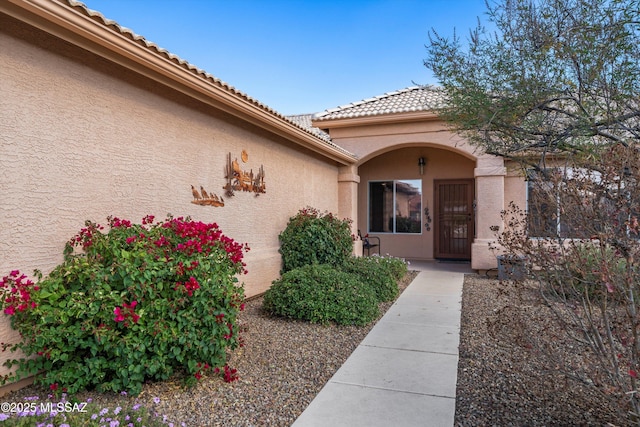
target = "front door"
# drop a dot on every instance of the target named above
(454, 219)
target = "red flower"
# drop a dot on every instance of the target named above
(230, 334)
(125, 312)
(115, 222)
(20, 288)
(230, 374)
(189, 286)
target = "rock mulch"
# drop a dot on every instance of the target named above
(510, 348)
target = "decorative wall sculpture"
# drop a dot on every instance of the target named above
(427, 218)
(239, 180)
(203, 198)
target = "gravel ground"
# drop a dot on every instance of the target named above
(503, 378)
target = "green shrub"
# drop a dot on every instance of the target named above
(375, 273)
(321, 294)
(314, 238)
(139, 303)
(396, 266)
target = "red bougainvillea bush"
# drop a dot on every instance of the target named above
(135, 303)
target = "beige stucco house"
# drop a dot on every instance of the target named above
(97, 121)
(400, 143)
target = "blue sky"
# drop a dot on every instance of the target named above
(300, 56)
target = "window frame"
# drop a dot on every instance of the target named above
(563, 228)
(531, 175)
(394, 216)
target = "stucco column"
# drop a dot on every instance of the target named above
(489, 173)
(348, 180)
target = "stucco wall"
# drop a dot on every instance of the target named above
(81, 138)
(515, 186)
(371, 140)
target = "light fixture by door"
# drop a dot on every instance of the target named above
(421, 163)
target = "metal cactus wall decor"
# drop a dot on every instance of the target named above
(239, 180)
(203, 198)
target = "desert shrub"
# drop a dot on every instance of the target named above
(312, 237)
(320, 293)
(376, 273)
(135, 303)
(585, 257)
(589, 271)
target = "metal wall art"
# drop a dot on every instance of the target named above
(239, 180)
(203, 198)
(427, 218)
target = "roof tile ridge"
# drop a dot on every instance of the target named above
(343, 107)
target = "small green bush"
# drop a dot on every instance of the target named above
(396, 266)
(312, 237)
(138, 303)
(321, 294)
(375, 273)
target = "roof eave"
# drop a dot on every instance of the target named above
(68, 24)
(389, 118)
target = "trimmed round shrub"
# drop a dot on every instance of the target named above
(396, 266)
(321, 294)
(312, 237)
(376, 274)
(136, 303)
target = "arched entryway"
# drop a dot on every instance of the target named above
(419, 201)
(389, 134)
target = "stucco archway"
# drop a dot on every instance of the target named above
(378, 130)
(447, 157)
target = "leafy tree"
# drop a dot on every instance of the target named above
(554, 76)
(556, 87)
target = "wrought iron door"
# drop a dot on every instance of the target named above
(454, 219)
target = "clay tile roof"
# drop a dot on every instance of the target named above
(304, 120)
(126, 32)
(411, 99)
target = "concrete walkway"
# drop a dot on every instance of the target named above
(404, 372)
